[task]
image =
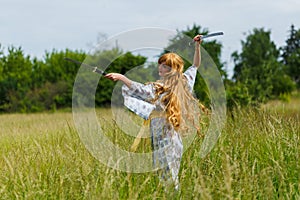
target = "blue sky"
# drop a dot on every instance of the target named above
(39, 25)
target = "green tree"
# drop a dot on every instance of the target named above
(2, 78)
(28, 85)
(237, 95)
(257, 50)
(290, 54)
(57, 69)
(61, 75)
(16, 79)
(257, 67)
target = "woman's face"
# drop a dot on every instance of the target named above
(163, 69)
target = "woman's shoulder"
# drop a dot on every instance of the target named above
(191, 71)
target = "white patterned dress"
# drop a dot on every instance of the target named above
(166, 143)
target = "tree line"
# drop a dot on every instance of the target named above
(262, 72)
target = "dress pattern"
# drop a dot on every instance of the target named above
(166, 143)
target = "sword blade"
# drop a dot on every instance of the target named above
(95, 69)
(212, 35)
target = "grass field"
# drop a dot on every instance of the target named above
(256, 157)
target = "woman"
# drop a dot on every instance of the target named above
(168, 104)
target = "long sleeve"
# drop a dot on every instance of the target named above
(137, 98)
(139, 90)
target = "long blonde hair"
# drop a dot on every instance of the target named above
(180, 104)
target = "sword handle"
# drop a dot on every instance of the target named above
(99, 71)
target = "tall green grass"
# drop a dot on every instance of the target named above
(256, 157)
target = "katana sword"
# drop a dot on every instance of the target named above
(207, 36)
(95, 69)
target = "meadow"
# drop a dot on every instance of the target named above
(256, 157)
